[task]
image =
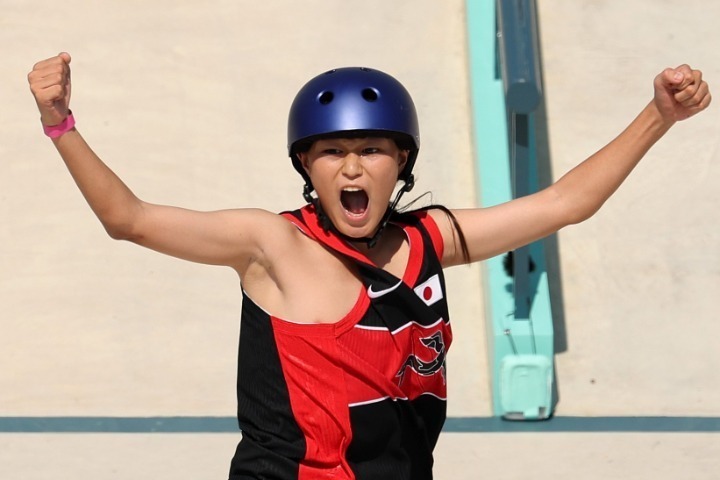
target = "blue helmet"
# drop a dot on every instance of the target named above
(351, 102)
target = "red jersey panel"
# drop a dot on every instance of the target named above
(363, 398)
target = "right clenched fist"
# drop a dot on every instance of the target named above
(50, 84)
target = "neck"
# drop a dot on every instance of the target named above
(384, 252)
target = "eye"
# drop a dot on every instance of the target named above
(370, 151)
(331, 151)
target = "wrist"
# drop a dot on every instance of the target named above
(655, 121)
(662, 117)
(55, 131)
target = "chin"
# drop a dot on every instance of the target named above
(353, 232)
(356, 228)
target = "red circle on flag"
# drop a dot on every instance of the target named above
(427, 293)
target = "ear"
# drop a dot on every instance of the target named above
(402, 159)
(304, 160)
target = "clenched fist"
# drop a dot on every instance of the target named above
(50, 84)
(680, 93)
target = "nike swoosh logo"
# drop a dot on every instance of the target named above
(377, 294)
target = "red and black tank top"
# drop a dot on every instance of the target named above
(363, 398)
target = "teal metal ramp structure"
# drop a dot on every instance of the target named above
(506, 91)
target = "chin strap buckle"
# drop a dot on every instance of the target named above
(307, 189)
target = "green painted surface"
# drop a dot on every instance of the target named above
(507, 335)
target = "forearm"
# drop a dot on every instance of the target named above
(110, 199)
(585, 188)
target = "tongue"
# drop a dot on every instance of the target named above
(354, 202)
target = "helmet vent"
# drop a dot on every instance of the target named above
(326, 97)
(370, 94)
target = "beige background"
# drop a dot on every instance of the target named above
(188, 101)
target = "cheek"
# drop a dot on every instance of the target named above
(324, 186)
(384, 192)
(318, 173)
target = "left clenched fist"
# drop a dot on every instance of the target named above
(680, 93)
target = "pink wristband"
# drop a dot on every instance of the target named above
(65, 126)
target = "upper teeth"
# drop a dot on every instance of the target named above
(352, 189)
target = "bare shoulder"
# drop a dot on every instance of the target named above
(452, 249)
(269, 236)
(271, 230)
(265, 234)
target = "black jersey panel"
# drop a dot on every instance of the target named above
(400, 451)
(272, 444)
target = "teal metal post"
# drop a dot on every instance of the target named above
(505, 91)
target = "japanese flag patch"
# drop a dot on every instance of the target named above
(430, 291)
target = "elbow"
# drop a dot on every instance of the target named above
(121, 218)
(120, 231)
(579, 212)
(576, 209)
(121, 227)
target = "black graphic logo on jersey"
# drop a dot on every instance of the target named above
(426, 369)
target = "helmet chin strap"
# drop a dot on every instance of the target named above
(326, 224)
(407, 186)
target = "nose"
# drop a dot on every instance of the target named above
(352, 168)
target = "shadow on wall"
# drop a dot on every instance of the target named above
(545, 179)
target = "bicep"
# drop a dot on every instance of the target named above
(498, 229)
(225, 237)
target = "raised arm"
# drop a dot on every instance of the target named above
(679, 94)
(230, 237)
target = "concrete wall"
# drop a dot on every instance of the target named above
(188, 103)
(640, 278)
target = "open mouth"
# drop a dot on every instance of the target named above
(354, 200)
